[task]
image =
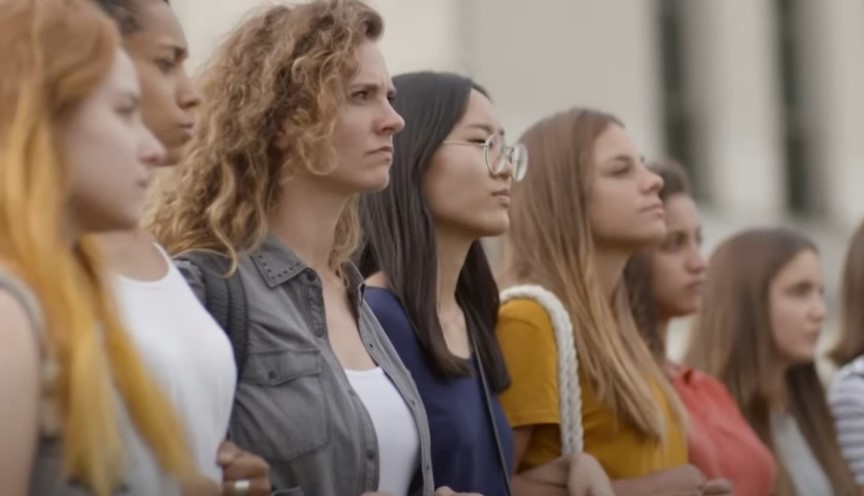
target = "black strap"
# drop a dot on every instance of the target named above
(491, 412)
(225, 300)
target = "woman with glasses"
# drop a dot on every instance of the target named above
(430, 285)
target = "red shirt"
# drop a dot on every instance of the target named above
(721, 442)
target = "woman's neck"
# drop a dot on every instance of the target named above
(452, 251)
(305, 221)
(661, 327)
(610, 265)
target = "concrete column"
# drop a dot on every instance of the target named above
(833, 36)
(543, 56)
(732, 70)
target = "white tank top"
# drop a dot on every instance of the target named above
(398, 440)
(188, 354)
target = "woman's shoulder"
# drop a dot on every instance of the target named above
(531, 305)
(849, 379)
(18, 300)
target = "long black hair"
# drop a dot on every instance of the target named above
(399, 229)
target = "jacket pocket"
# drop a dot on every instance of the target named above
(281, 410)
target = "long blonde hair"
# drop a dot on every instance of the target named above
(281, 73)
(550, 243)
(54, 54)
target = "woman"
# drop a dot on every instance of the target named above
(847, 391)
(297, 106)
(588, 205)
(756, 332)
(665, 283)
(80, 413)
(186, 351)
(449, 189)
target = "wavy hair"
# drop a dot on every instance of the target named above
(45, 79)
(550, 243)
(732, 341)
(281, 73)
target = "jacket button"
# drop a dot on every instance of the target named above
(370, 454)
(271, 375)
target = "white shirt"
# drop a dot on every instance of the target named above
(398, 440)
(188, 354)
(804, 469)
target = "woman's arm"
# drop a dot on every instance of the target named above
(19, 396)
(575, 475)
(846, 399)
(551, 481)
(580, 474)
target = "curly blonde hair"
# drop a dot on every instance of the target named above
(282, 72)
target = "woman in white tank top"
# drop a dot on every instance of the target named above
(185, 349)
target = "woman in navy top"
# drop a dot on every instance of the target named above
(431, 286)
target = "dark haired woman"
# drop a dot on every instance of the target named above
(431, 286)
(665, 283)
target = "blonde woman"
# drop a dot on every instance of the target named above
(581, 376)
(79, 413)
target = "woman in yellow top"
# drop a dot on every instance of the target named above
(581, 377)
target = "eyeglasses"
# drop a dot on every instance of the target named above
(499, 155)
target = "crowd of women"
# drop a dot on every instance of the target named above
(272, 281)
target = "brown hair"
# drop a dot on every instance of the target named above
(281, 72)
(851, 343)
(732, 340)
(46, 77)
(637, 274)
(550, 243)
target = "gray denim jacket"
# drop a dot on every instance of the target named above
(294, 405)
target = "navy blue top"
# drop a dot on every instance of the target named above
(464, 453)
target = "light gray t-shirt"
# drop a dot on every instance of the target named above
(807, 475)
(142, 476)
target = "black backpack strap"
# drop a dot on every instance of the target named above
(225, 300)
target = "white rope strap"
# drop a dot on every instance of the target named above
(569, 391)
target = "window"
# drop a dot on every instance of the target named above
(800, 197)
(678, 123)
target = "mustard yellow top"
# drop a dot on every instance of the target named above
(528, 343)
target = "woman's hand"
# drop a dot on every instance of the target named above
(685, 480)
(238, 466)
(717, 487)
(200, 486)
(587, 478)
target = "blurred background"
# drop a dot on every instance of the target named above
(762, 100)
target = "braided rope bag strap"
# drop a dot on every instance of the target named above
(569, 390)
